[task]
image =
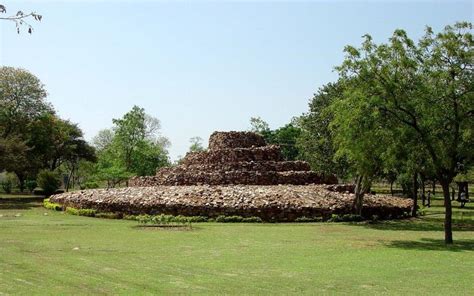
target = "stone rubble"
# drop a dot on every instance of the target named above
(270, 203)
(235, 158)
(238, 175)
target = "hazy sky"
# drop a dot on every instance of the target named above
(200, 66)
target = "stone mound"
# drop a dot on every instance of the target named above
(230, 140)
(270, 203)
(235, 158)
(238, 175)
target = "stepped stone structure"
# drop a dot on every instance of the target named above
(238, 175)
(235, 158)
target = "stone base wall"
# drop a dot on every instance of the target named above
(196, 177)
(277, 166)
(230, 140)
(270, 203)
(266, 153)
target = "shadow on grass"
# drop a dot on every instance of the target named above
(20, 203)
(420, 224)
(433, 245)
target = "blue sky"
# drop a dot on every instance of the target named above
(200, 66)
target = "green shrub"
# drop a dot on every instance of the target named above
(90, 185)
(109, 215)
(7, 186)
(229, 219)
(48, 181)
(346, 218)
(51, 205)
(8, 181)
(252, 220)
(81, 212)
(308, 219)
(31, 185)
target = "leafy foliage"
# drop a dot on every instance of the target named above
(20, 18)
(48, 181)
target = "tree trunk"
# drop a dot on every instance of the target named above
(69, 179)
(358, 202)
(415, 195)
(434, 187)
(391, 188)
(423, 193)
(448, 232)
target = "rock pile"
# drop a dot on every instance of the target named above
(270, 203)
(238, 175)
(235, 158)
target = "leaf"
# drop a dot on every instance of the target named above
(19, 13)
(30, 30)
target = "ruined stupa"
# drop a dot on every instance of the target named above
(238, 175)
(235, 158)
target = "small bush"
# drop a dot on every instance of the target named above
(308, 219)
(252, 220)
(7, 186)
(90, 185)
(51, 205)
(109, 215)
(81, 212)
(31, 185)
(48, 181)
(238, 219)
(38, 191)
(346, 218)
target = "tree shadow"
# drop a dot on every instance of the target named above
(420, 224)
(433, 245)
(20, 203)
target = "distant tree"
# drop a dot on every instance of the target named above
(20, 18)
(22, 100)
(137, 138)
(133, 146)
(260, 126)
(13, 154)
(103, 139)
(286, 137)
(425, 88)
(316, 142)
(196, 144)
(48, 181)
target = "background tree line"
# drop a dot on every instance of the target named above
(35, 141)
(400, 111)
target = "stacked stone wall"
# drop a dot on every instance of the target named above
(235, 158)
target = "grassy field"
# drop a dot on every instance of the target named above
(46, 252)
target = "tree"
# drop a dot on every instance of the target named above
(286, 137)
(316, 141)
(133, 146)
(20, 18)
(48, 181)
(103, 139)
(196, 144)
(22, 100)
(136, 139)
(359, 138)
(426, 88)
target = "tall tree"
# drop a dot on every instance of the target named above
(426, 88)
(316, 142)
(22, 100)
(196, 144)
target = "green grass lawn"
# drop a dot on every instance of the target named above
(47, 252)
